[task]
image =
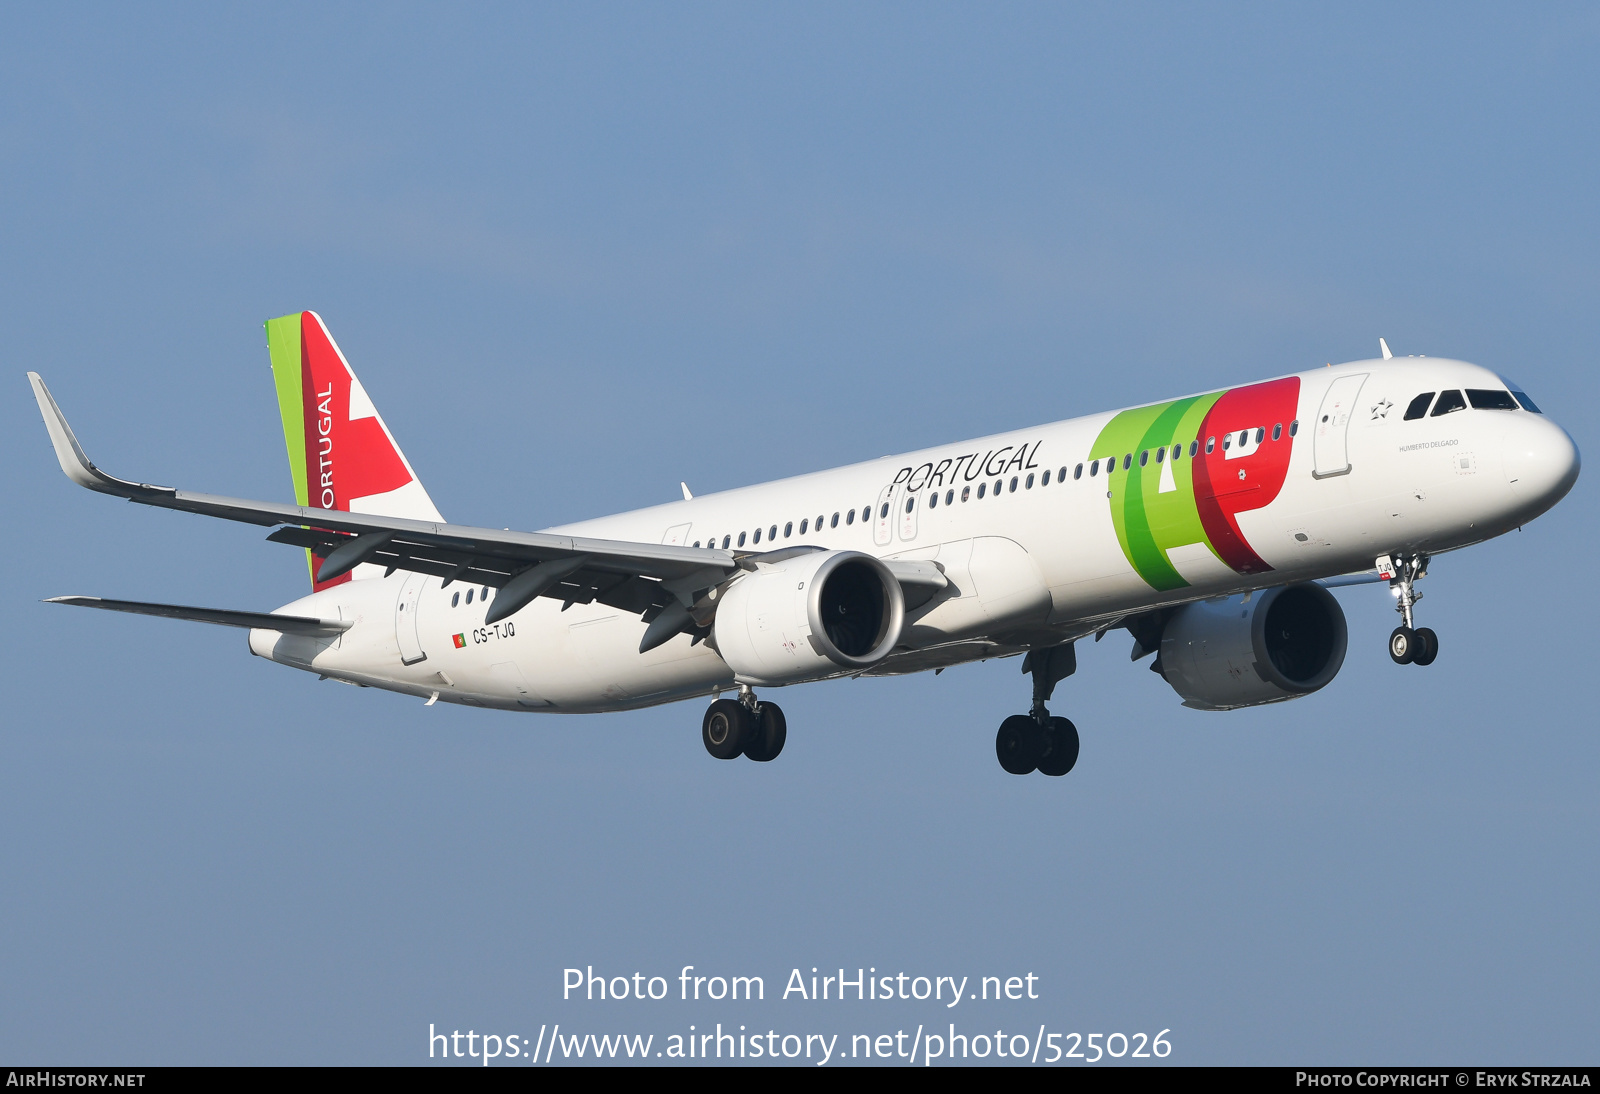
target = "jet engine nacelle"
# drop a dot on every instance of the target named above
(1265, 648)
(808, 617)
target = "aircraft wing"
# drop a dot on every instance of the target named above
(644, 578)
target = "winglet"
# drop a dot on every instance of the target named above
(69, 453)
(686, 495)
(1385, 347)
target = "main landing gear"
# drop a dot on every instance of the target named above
(1408, 645)
(1035, 741)
(743, 726)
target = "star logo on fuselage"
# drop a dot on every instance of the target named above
(1381, 410)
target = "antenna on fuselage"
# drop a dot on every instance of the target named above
(1385, 347)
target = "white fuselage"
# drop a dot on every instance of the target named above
(1029, 565)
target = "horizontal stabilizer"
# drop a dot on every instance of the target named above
(288, 624)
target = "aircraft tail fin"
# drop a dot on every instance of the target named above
(341, 454)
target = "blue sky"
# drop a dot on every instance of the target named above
(578, 254)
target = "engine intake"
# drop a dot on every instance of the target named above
(1284, 643)
(809, 616)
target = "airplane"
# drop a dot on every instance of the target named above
(1208, 527)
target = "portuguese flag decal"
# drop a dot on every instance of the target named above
(460, 640)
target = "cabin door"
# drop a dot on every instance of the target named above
(405, 619)
(1332, 426)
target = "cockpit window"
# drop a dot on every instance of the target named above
(1449, 402)
(1490, 399)
(1527, 403)
(1419, 406)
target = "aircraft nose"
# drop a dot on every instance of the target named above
(1541, 462)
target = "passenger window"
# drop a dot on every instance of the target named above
(885, 511)
(1294, 427)
(1227, 442)
(1418, 407)
(866, 511)
(997, 485)
(850, 517)
(1029, 483)
(1194, 449)
(697, 543)
(455, 598)
(788, 529)
(741, 538)
(1161, 453)
(1211, 445)
(1127, 461)
(966, 492)
(1277, 431)
(982, 487)
(1077, 472)
(1044, 479)
(757, 537)
(805, 524)
(1261, 435)
(835, 522)
(933, 501)
(1527, 403)
(949, 496)
(911, 503)
(1490, 399)
(1177, 450)
(772, 533)
(469, 596)
(1449, 402)
(483, 593)
(724, 543)
(1013, 484)
(1094, 468)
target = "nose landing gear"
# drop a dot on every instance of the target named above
(1408, 645)
(1036, 741)
(743, 726)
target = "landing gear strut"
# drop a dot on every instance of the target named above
(743, 726)
(1408, 645)
(1035, 741)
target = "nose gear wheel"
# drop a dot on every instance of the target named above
(1408, 643)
